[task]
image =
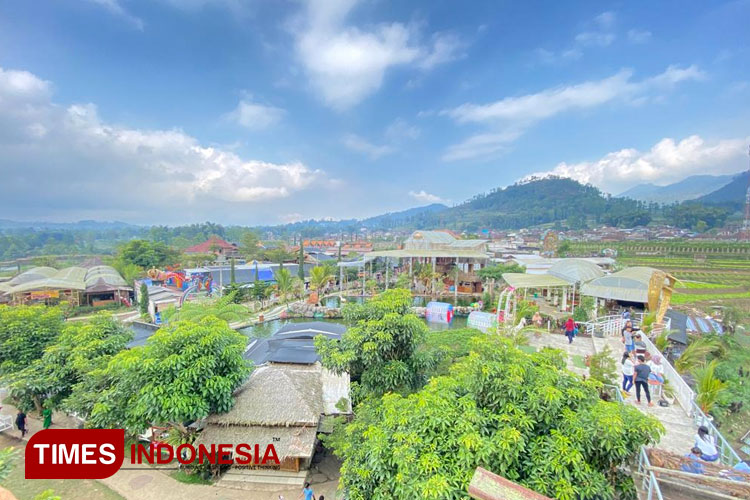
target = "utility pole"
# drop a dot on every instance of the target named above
(746, 223)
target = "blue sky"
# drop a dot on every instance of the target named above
(178, 111)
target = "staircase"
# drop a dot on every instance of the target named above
(262, 479)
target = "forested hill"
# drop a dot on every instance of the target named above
(540, 201)
(731, 195)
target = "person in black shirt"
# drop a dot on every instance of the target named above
(642, 371)
(21, 423)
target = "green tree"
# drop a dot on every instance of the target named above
(319, 279)
(284, 283)
(381, 350)
(80, 348)
(709, 388)
(301, 262)
(184, 372)
(249, 245)
(143, 299)
(518, 415)
(403, 281)
(147, 254)
(25, 332)
(8, 458)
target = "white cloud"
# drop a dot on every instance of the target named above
(589, 38)
(481, 146)
(666, 162)
(600, 33)
(399, 130)
(346, 64)
(115, 8)
(511, 116)
(73, 161)
(639, 36)
(255, 116)
(425, 197)
(445, 48)
(360, 145)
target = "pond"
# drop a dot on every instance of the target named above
(268, 328)
(418, 301)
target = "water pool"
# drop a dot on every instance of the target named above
(268, 328)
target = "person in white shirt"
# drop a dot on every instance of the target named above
(628, 369)
(707, 444)
(657, 369)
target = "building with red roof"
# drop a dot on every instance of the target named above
(214, 245)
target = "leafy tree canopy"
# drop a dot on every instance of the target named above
(521, 416)
(496, 272)
(81, 348)
(184, 372)
(25, 332)
(380, 350)
(147, 254)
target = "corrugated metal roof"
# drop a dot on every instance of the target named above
(628, 285)
(575, 270)
(523, 280)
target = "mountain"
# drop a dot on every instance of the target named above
(82, 225)
(397, 219)
(732, 194)
(541, 201)
(688, 188)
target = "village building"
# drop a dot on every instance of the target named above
(215, 245)
(95, 286)
(446, 254)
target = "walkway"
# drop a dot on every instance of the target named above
(680, 428)
(149, 483)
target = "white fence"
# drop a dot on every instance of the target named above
(683, 393)
(6, 422)
(612, 325)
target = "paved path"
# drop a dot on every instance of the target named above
(680, 428)
(147, 483)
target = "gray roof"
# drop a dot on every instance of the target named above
(293, 343)
(575, 270)
(628, 285)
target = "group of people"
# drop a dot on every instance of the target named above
(638, 366)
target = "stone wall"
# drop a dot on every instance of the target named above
(304, 310)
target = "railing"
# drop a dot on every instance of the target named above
(612, 325)
(727, 454)
(683, 393)
(649, 484)
(6, 422)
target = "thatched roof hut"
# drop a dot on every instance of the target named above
(281, 404)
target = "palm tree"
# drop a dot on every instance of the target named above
(320, 276)
(697, 351)
(285, 283)
(708, 387)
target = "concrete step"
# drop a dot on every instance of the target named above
(257, 476)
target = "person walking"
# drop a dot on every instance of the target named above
(707, 444)
(639, 344)
(307, 493)
(47, 415)
(627, 336)
(22, 423)
(628, 370)
(570, 328)
(642, 371)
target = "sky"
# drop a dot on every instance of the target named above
(265, 112)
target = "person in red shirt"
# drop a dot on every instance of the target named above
(570, 329)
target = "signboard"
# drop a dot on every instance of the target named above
(45, 294)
